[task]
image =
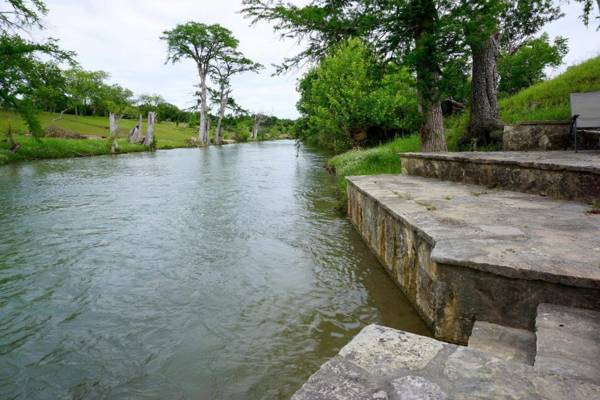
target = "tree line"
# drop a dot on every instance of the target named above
(438, 55)
(41, 76)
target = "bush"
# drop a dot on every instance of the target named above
(350, 100)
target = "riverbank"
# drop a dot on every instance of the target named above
(382, 159)
(49, 148)
(83, 136)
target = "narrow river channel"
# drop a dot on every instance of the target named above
(220, 273)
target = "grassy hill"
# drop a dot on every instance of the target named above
(549, 100)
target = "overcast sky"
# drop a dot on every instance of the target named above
(121, 37)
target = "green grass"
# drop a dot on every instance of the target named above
(382, 159)
(168, 135)
(32, 149)
(549, 100)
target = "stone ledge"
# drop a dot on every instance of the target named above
(561, 175)
(507, 233)
(383, 363)
(461, 253)
(584, 161)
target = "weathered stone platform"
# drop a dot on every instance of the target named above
(383, 363)
(558, 174)
(463, 253)
(568, 342)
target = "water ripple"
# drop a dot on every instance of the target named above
(186, 274)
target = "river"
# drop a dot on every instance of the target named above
(219, 273)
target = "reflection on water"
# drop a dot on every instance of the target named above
(212, 273)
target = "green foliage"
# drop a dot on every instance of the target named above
(348, 99)
(197, 41)
(588, 6)
(21, 14)
(22, 73)
(32, 149)
(383, 159)
(549, 100)
(526, 66)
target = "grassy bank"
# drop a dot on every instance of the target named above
(168, 135)
(549, 100)
(46, 148)
(382, 159)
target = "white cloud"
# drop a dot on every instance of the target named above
(584, 42)
(122, 38)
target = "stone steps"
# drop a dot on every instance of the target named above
(464, 248)
(568, 341)
(463, 253)
(509, 344)
(557, 174)
(384, 363)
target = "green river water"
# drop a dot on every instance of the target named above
(219, 273)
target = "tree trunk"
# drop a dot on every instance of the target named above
(203, 129)
(484, 125)
(139, 133)
(114, 145)
(222, 106)
(149, 140)
(256, 127)
(431, 132)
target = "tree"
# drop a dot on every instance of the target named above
(21, 15)
(588, 5)
(348, 99)
(148, 102)
(229, 64)
(168, 112)
(21, 74)
(525, 66)
(85, 89)
(49, 95)
(204, 44)
(410, 31)
(21, 69)
(489, 26)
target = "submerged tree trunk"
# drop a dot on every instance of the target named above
(222, 105)
(203, 129)
(149, 140)
(485, 126)
(112, 121)
(256, 127)
(135, 133)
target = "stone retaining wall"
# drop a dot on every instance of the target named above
(544, 136)
(558, 183)
(450, 298)
(538, 136)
